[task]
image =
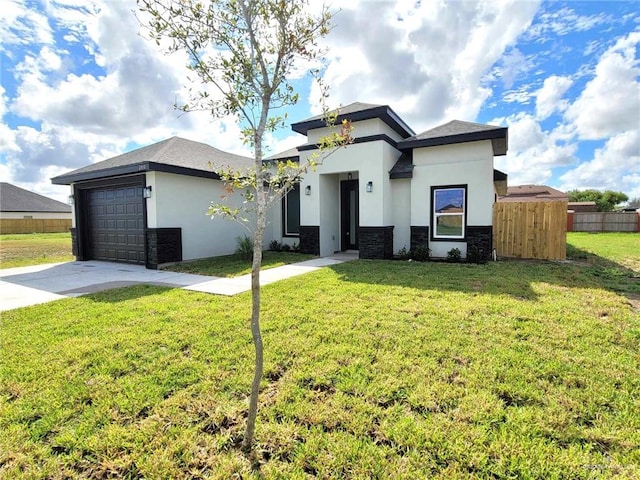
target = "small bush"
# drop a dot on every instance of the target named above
(244, 247)
(285, 247)
(420, 254)
(475, 254)
(454, 255)
(295, 248)
(403, 254)
(275, 246)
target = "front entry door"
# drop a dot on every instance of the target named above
(349, 212)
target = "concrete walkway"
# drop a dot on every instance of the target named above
(23, 286)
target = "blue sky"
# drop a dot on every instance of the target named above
(79, 84)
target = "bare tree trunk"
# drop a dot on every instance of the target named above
(247, 442)
(261, 221)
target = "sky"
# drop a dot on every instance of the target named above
(81, 83)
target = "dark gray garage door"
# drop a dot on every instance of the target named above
(116, 224)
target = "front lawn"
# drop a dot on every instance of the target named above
(34, 248)
(234, 266)
(374, 369)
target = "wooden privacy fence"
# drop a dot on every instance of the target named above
(530, 230)
(605, 221)
(34, 225)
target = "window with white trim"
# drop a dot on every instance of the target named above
(449, 212)
(291, 212)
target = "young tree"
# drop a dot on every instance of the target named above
(242, 53)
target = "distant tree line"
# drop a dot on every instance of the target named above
(605, 201)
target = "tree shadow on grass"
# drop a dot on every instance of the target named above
(511, 277)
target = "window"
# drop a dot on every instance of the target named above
(291, 212)
(449, 213)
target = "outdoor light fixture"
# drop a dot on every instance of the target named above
(146, 191)
(307, 190)
(370, 187)
(349, 176)
(70, 200)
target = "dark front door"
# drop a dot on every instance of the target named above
(349, 213)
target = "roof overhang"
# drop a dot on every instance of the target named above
(383, 112)
(142, 167)
(498, 137)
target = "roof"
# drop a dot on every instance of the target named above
(533, 193)
(355, 112)
(457, 131)
(16, 199)
(173, 155)
(291, 154)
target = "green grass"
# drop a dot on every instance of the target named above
(234, 266)
(374, 369)
(34, 249)
(622, 248)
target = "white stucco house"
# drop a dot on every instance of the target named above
(392, 188)
(387, 190)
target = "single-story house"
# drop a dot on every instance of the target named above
(533, 193)
(389, 189)
(18, 203)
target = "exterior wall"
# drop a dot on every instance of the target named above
(400, 200)
(468, 164)
(36, 215)
(363, 128)
(179, 201)
(367, 162)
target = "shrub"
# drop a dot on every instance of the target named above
(454, 255)
(403, 254)
(275, 246)
(244, 247)
(475, 254)
(285, 247)
(295, 248)
(420, 254)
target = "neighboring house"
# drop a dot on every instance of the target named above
(18, 203)
(148, 206)
(533, 193)
(393, 189)
(582, 207)
(389, 189)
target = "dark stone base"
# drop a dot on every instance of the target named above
(164, 245)
(419, 237)
(481, 240)
(310, 239)
(75, 251)
(375, 242)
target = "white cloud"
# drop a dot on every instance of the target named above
(534, 153)
(428, 60)
(549, 97)
(616, 166)
(610, 102)
(20, 25)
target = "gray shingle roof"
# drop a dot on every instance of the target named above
(347, 109)
(291, 154)
(355, 112)
(174, 154)
(457, 131)
(16, 199)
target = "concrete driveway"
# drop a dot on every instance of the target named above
(23, 286)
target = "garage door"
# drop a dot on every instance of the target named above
(116, 224)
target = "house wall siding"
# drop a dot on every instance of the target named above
(179, 201)
(363, 128)
(468, 164)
